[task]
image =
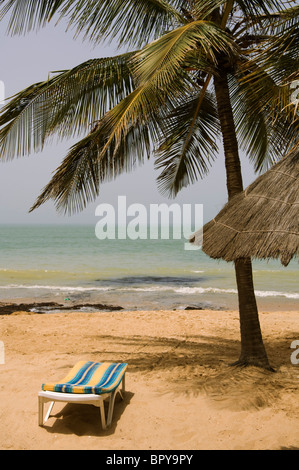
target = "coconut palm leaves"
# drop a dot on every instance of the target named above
(261, 131)
(132, 22)
(32, 14)
(125, 132)
(92, 161)
(188, 143)
(158, 99)
(272, 73)
(66, 104)
(164, 56)
(123, 136)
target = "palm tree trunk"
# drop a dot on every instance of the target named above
(252, 347)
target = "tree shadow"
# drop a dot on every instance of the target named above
(147, 353)
(84, 419)
(194, 365)
(200, 364)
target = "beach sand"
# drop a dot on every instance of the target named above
(181, 392)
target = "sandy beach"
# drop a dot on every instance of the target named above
(181, 393)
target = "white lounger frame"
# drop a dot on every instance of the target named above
(90, 399)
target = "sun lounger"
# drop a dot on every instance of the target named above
(87, 383)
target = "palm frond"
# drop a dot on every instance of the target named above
(281, 20)
(132, 22)
(117, 143)
(254, 9)
(188, 143)
(262, 124)
(103, 155)
(144, 102)
(163, 57)
(66, 104)
(30, 14)
(91, 162)
(255, 16)
(281, 56)
(202, 9)
(275, 66)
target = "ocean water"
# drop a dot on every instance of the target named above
(69, 264)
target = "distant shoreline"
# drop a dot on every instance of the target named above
(38, 306)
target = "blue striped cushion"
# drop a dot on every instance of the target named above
(90, 377)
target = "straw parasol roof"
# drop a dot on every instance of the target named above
(260, 222)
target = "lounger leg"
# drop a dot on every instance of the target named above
(41, 402)
(123, 388)
(49, 410)
(111, 407)
(102, 411)
(112, 400)
(40, 411)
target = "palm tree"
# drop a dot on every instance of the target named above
(187, 82)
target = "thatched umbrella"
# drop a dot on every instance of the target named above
(262, 221)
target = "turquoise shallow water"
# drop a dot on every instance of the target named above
(69, 262)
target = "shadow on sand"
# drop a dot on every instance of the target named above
(85, 420)
(197, 365)
(200, 365)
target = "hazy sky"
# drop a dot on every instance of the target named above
(29, 59)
